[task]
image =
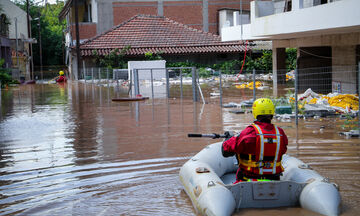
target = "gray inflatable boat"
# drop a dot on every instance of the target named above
(208, 179)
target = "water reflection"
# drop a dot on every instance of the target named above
(67, 149)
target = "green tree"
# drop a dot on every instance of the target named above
(5, 78)
(291, 54)
(115, 59)
(151, 56)
(51, 31)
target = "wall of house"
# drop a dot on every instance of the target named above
(86, 30)
(188, 13)
(14, 12)
(122, 11)
(199, 14)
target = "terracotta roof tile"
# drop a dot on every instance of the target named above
(145, 33)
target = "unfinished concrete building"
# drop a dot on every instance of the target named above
(326, 34)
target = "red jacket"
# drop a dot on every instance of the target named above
(60, 79)
(246, 141)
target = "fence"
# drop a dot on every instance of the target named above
(315, 86)
(146, 81)
(47, 72)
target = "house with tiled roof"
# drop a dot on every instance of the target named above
(160, 35)
(97, 16)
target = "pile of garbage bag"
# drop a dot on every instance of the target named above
(341, 103)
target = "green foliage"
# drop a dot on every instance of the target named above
(205, 72)
(115, 59)
(184, 64)
(5, 78)
(51, 31)
(350, 122)
(291, 54)
(151, 56)
(228, 67)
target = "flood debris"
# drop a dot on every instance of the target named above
(231, 105)
(214, 94)
(240, 111)
(287, 117)
(340, 103)
(290, 76)
(312, 110)
(247, 103)
(351, 133)
(250, 85)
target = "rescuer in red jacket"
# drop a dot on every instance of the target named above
(259, 147)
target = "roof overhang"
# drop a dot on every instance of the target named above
(65, 10)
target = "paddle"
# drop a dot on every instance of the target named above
(213, 135)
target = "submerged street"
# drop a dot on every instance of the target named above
(69, 150)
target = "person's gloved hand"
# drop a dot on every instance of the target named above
(228, 135)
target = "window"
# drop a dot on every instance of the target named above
(4, 25)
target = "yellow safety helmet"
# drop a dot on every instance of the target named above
(61, 73)
(263, 106)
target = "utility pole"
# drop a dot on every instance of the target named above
(40, 48)
(29, 36)
(17, 49)
(77, 38)
(241, 20)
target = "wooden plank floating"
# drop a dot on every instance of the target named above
(129, 99)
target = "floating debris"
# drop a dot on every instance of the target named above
(215, 94)
(351, 133)
(247, 103)
(249, 85)
(231, 105)
(237, 111)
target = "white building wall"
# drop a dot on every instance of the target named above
(334, 17)
(159, 73)
(94, 11)
(12, 11)
(341, 14)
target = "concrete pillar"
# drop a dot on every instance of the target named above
(105, 16)
(160, 8)
(279, 68)
(236, 18)
(205, 13)
(296, 5)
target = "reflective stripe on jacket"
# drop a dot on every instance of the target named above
(265, 159)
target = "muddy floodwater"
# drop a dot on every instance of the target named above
(69, 150)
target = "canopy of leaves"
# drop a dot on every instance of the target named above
(5, 77)
(115, 59)
(51, 30)
(261, 63)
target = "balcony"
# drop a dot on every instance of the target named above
(279, 19)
